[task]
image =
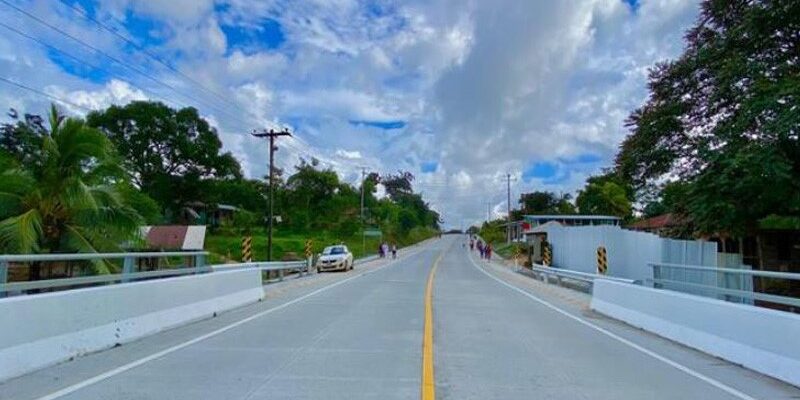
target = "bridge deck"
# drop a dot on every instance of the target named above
(358, 335)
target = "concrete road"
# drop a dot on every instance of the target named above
(359, 335)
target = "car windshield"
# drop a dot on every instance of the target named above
(334, 250)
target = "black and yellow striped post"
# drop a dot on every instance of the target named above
(308, 252)
(247, 249)
(602, 260)
(547, 254)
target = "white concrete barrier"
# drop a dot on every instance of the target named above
(37, 331)
(761, 339)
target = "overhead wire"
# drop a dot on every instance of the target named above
(149, 54)
(83, 62)
(108, 56)
(50, 96)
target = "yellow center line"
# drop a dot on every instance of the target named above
(428, 390)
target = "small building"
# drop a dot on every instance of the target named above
(659, 224)
(204, 214)
(570, 220)
(520, 229)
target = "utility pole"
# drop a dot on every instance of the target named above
(363, 176)
(271, 134)
(363, 225)
(508, 189)
(508, 208)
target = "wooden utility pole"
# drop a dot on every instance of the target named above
(508, 208)
(363, 225)
(271, 134)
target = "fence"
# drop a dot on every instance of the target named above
(628, 252)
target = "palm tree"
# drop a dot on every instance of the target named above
(66, 200)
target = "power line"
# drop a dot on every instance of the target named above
(81, 61)
(54, 98)
(146, 52)
(105, 54)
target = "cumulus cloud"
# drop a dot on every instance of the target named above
(480, 88)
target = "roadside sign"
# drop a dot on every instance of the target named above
(602, 261)
(373, 232)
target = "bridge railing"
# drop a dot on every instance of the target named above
(764, 288)
(563, 276)
(193, 263)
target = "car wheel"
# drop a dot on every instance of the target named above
(351, 265)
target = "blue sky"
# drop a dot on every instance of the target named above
(457, 93)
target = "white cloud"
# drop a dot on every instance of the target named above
(350, 155)
(483, 87)
(114, 92)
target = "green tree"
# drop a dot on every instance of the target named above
(546, 203)
(605, 194)
(603, 198)
(169, 153)
(723, 117)
(66, 201)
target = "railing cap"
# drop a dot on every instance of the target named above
(96, 256)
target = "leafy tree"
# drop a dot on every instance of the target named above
(66, 201)
(605, 195)
(168, 152)
(723, 117)
(398, 184)
(546, 203)
(603, 198)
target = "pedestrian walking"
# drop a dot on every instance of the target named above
(488, 251)
(394, 250)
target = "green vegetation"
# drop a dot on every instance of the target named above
(605, 195)
(60, 190)
(544, 203)
(225, 248)
(721, 124)
(87, 186)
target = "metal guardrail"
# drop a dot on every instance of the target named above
(128, 275)
(197, 265)
(301, 267)
(731, 284)
(560, 273)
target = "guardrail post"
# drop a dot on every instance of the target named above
(199, 262)
(3, 275)
(280, 274)
(127, 268)
(309, 264)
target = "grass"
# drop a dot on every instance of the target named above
(508, 250)
(227, 248)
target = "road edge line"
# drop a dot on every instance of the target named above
(659, 357)
(133, 364)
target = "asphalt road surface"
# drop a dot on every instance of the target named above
(360, 335)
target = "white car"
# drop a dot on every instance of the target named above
(337, 258)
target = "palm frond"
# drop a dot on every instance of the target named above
(77, 239)
(77, 196)
(21, 233)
